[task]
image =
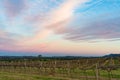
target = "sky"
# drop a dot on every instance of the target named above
(59, 27)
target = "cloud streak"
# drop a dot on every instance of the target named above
(106, 29)
(14, 7)
(51, 25)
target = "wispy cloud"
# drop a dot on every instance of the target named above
(42, 25)
(55, 20)
(105, 29)
(7, 40)
(64, 11)
(14, 7)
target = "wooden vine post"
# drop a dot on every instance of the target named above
(97, 72)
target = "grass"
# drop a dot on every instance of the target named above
(5, 74)
(19, 76)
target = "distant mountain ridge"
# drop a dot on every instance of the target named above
(112, 55)
(54, 57)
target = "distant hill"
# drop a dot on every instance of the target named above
(40, 57)
(112, 55)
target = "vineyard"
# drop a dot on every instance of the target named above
(73, 69)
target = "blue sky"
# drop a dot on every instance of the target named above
(48, 26)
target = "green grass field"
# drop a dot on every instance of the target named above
(19, 76)
(83, 69)
(24, 76)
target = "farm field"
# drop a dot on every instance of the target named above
(20, 76)
(63, 69)
(28, 76)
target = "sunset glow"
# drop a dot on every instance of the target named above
(59, 27)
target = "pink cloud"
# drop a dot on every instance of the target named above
(14, 7)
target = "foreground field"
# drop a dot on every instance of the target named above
(21, 76)
(8, 73)
(55, 69)
(18, 76)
